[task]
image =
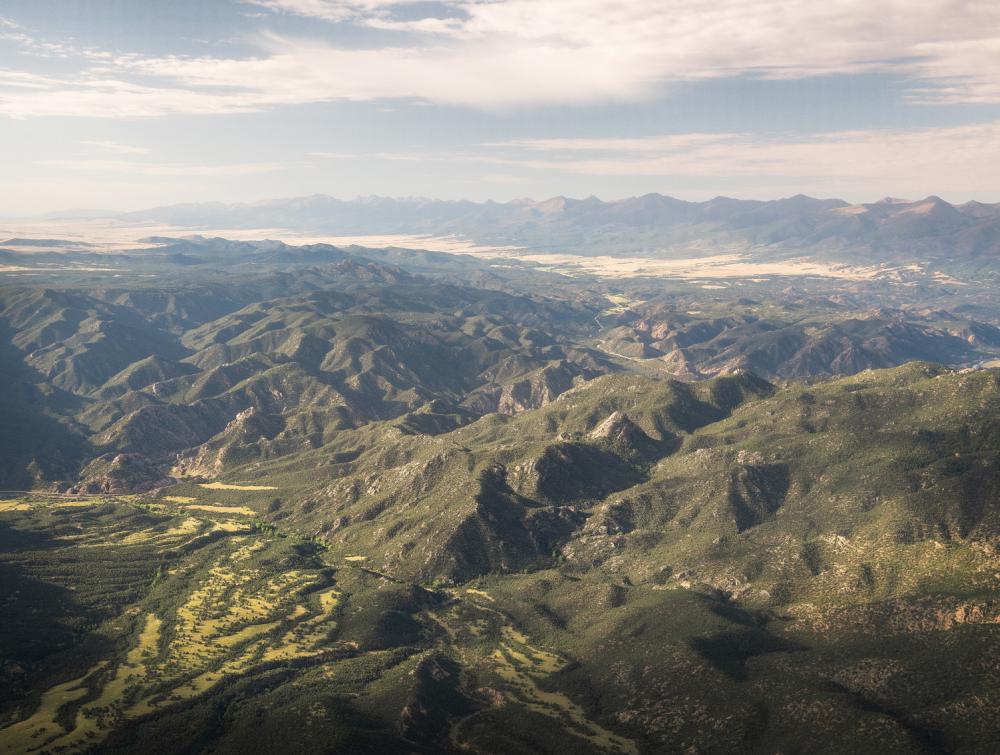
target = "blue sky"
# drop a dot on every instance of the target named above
(126, 104)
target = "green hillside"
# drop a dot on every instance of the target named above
(641, 565)
(337, 504)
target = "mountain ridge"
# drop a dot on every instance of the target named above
(447, 509)
(890, 228)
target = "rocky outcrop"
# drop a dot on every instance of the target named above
(677, 363)
(121, 474)
(625, 437)
(756, 492)
(618, 428)
(537, 390)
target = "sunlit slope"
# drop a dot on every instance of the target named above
(268, 366)
(132, 623)
(880, 485)
(503, 492)
(640, 565)
(866, 488)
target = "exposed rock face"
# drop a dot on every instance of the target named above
(248, 436)
(677, 363)
(756, 492)
(121, 474)
(537, 390)
(611, 519)
(618, 428)
(626, 437)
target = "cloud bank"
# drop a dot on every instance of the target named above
(492, 54)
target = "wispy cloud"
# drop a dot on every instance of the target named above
(14, 33)
(502, 53)
(960, 159)
(659, 143)
(107, 145)
(136, 167)
(332, 10)
(951, 46)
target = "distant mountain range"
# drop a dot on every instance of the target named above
(891, 229)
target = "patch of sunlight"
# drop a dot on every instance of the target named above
(188, 526)
(34, 732)
(232, 621)
(522, 665)
(479, 593)
(232, 486)
(220, 509)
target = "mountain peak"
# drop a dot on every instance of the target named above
(618, 428)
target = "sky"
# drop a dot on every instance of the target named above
(127, 104)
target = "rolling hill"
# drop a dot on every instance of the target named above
(641, 565)
(314, 498)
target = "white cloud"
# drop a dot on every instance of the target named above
(15, 80)
(133, 167)
(330, 10)
(663, 143)
(106, 145)
(502, 53)
(962, 160)
(14, 33)
(953, 43)
(959, 71)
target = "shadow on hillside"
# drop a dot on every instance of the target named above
(33, 443)
(729, 651)
(43, 630)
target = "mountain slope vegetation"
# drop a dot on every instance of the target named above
(622, 566)
(306, 499)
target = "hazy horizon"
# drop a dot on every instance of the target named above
(107, 212)
(247, 100)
